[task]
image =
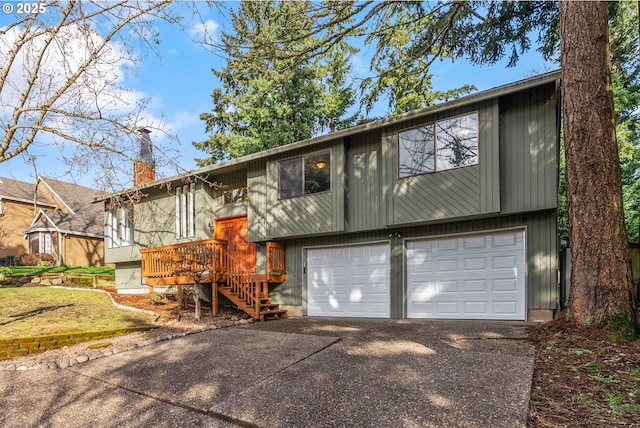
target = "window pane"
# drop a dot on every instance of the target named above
(317, 173)
(178, 221)
(457, 142)
(126, 224)
(192, 210)
(236, 194)
(416, 151)
(290, 178)
(47, 243)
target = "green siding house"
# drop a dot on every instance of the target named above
(445, 212)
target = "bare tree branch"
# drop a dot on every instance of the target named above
(61, 76)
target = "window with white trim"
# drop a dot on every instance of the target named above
(120, 226)
(48, 247)
(186, 211)
(438, 146)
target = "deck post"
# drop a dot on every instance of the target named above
(214, 297)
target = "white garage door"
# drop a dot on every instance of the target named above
(467, 277)
(348, 281)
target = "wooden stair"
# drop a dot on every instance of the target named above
(262, 311)
(248, 291)
(177, 265)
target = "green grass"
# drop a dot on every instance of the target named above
(35, 311)
(30, 270)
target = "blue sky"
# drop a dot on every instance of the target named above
(179, 83)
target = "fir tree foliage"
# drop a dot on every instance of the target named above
(268, 98)
(264, 101)
(400, 66)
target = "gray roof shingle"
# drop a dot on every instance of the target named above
(68, 206)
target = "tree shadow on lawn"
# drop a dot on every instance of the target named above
(34, 312)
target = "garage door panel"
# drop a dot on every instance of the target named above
(474, 242)
(475, 286)
(355, 281)
(505, 308)
(447, 245)
(508, 240)
(484, 278)
(475, 264)
(447, 265)
(503, 262)
(476, 308)
(447, 308)
(447, 287)
(505, 286)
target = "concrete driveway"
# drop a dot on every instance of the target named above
(301, 372)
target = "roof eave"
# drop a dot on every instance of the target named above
(233, 164)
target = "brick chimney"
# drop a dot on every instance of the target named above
(144, 167)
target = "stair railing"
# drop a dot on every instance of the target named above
(249, 288)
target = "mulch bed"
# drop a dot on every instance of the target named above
(582, 378)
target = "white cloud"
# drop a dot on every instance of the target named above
(204, 31)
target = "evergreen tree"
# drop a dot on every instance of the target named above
(264, 101)
(268, 98)
(400, 65)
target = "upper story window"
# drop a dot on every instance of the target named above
(304, 175)
(231, 195)
(120, 226)
(186, 211)
(438, 146)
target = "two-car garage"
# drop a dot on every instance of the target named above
(471, 276)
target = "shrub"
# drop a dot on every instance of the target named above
(5, 270)
(82, 282)
(46, 259)
(28, 260)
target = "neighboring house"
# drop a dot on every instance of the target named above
(445, 212)
(52, 217)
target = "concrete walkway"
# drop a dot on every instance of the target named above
(301, 372)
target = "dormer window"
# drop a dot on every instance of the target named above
(438, 146)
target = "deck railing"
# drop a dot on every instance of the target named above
(209, 259)
(175, 264)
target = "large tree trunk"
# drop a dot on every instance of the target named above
(601, 292)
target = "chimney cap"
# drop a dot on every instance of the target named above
(143, 130)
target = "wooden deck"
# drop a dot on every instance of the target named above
(211, 262)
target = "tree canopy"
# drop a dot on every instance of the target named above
(61, 74)
(266, 101)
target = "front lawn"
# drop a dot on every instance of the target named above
(35, 270)
(34, 311)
